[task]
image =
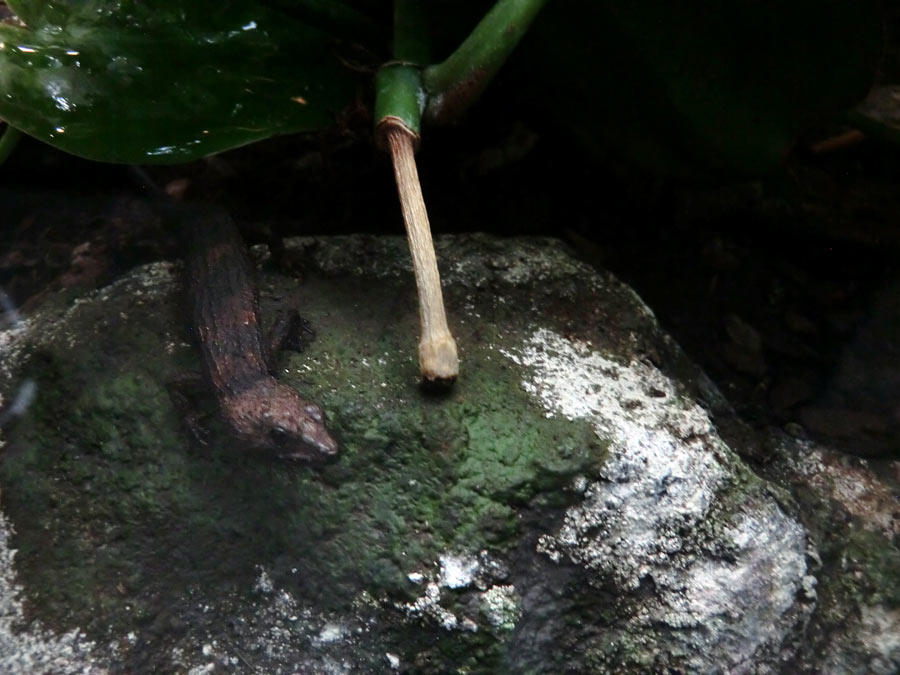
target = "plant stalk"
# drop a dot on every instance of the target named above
(438, 359)
(457, 82)
(399, 101)
(410, 40)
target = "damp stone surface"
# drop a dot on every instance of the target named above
(571, 505)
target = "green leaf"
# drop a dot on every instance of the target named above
(698, 87)
(165, 81)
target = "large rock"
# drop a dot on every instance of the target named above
(568, 507)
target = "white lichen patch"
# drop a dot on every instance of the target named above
(456, 572)
(740, 602)
(661, 475)
(502, 606)
(264, 583)
(649, 518)
(30, 648)
(10, 339)
(331, 632)
(429, 605)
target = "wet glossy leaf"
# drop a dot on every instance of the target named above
(166, 81)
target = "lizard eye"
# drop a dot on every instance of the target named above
(279, 436)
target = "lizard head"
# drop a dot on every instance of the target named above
(274, 418)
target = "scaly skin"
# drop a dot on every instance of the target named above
(262, 412)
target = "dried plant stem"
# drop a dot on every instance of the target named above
(437, 348)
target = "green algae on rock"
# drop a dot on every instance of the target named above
(568, 505)
(103, 464)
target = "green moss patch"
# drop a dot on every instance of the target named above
(119, 511)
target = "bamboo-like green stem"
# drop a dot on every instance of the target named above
(399, 101)
(457, 82)
(8, 142)
(399, 92)
(399, 96)
(410, 41)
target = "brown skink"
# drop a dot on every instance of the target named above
(262, 412)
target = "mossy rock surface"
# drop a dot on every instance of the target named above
(567, 505)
